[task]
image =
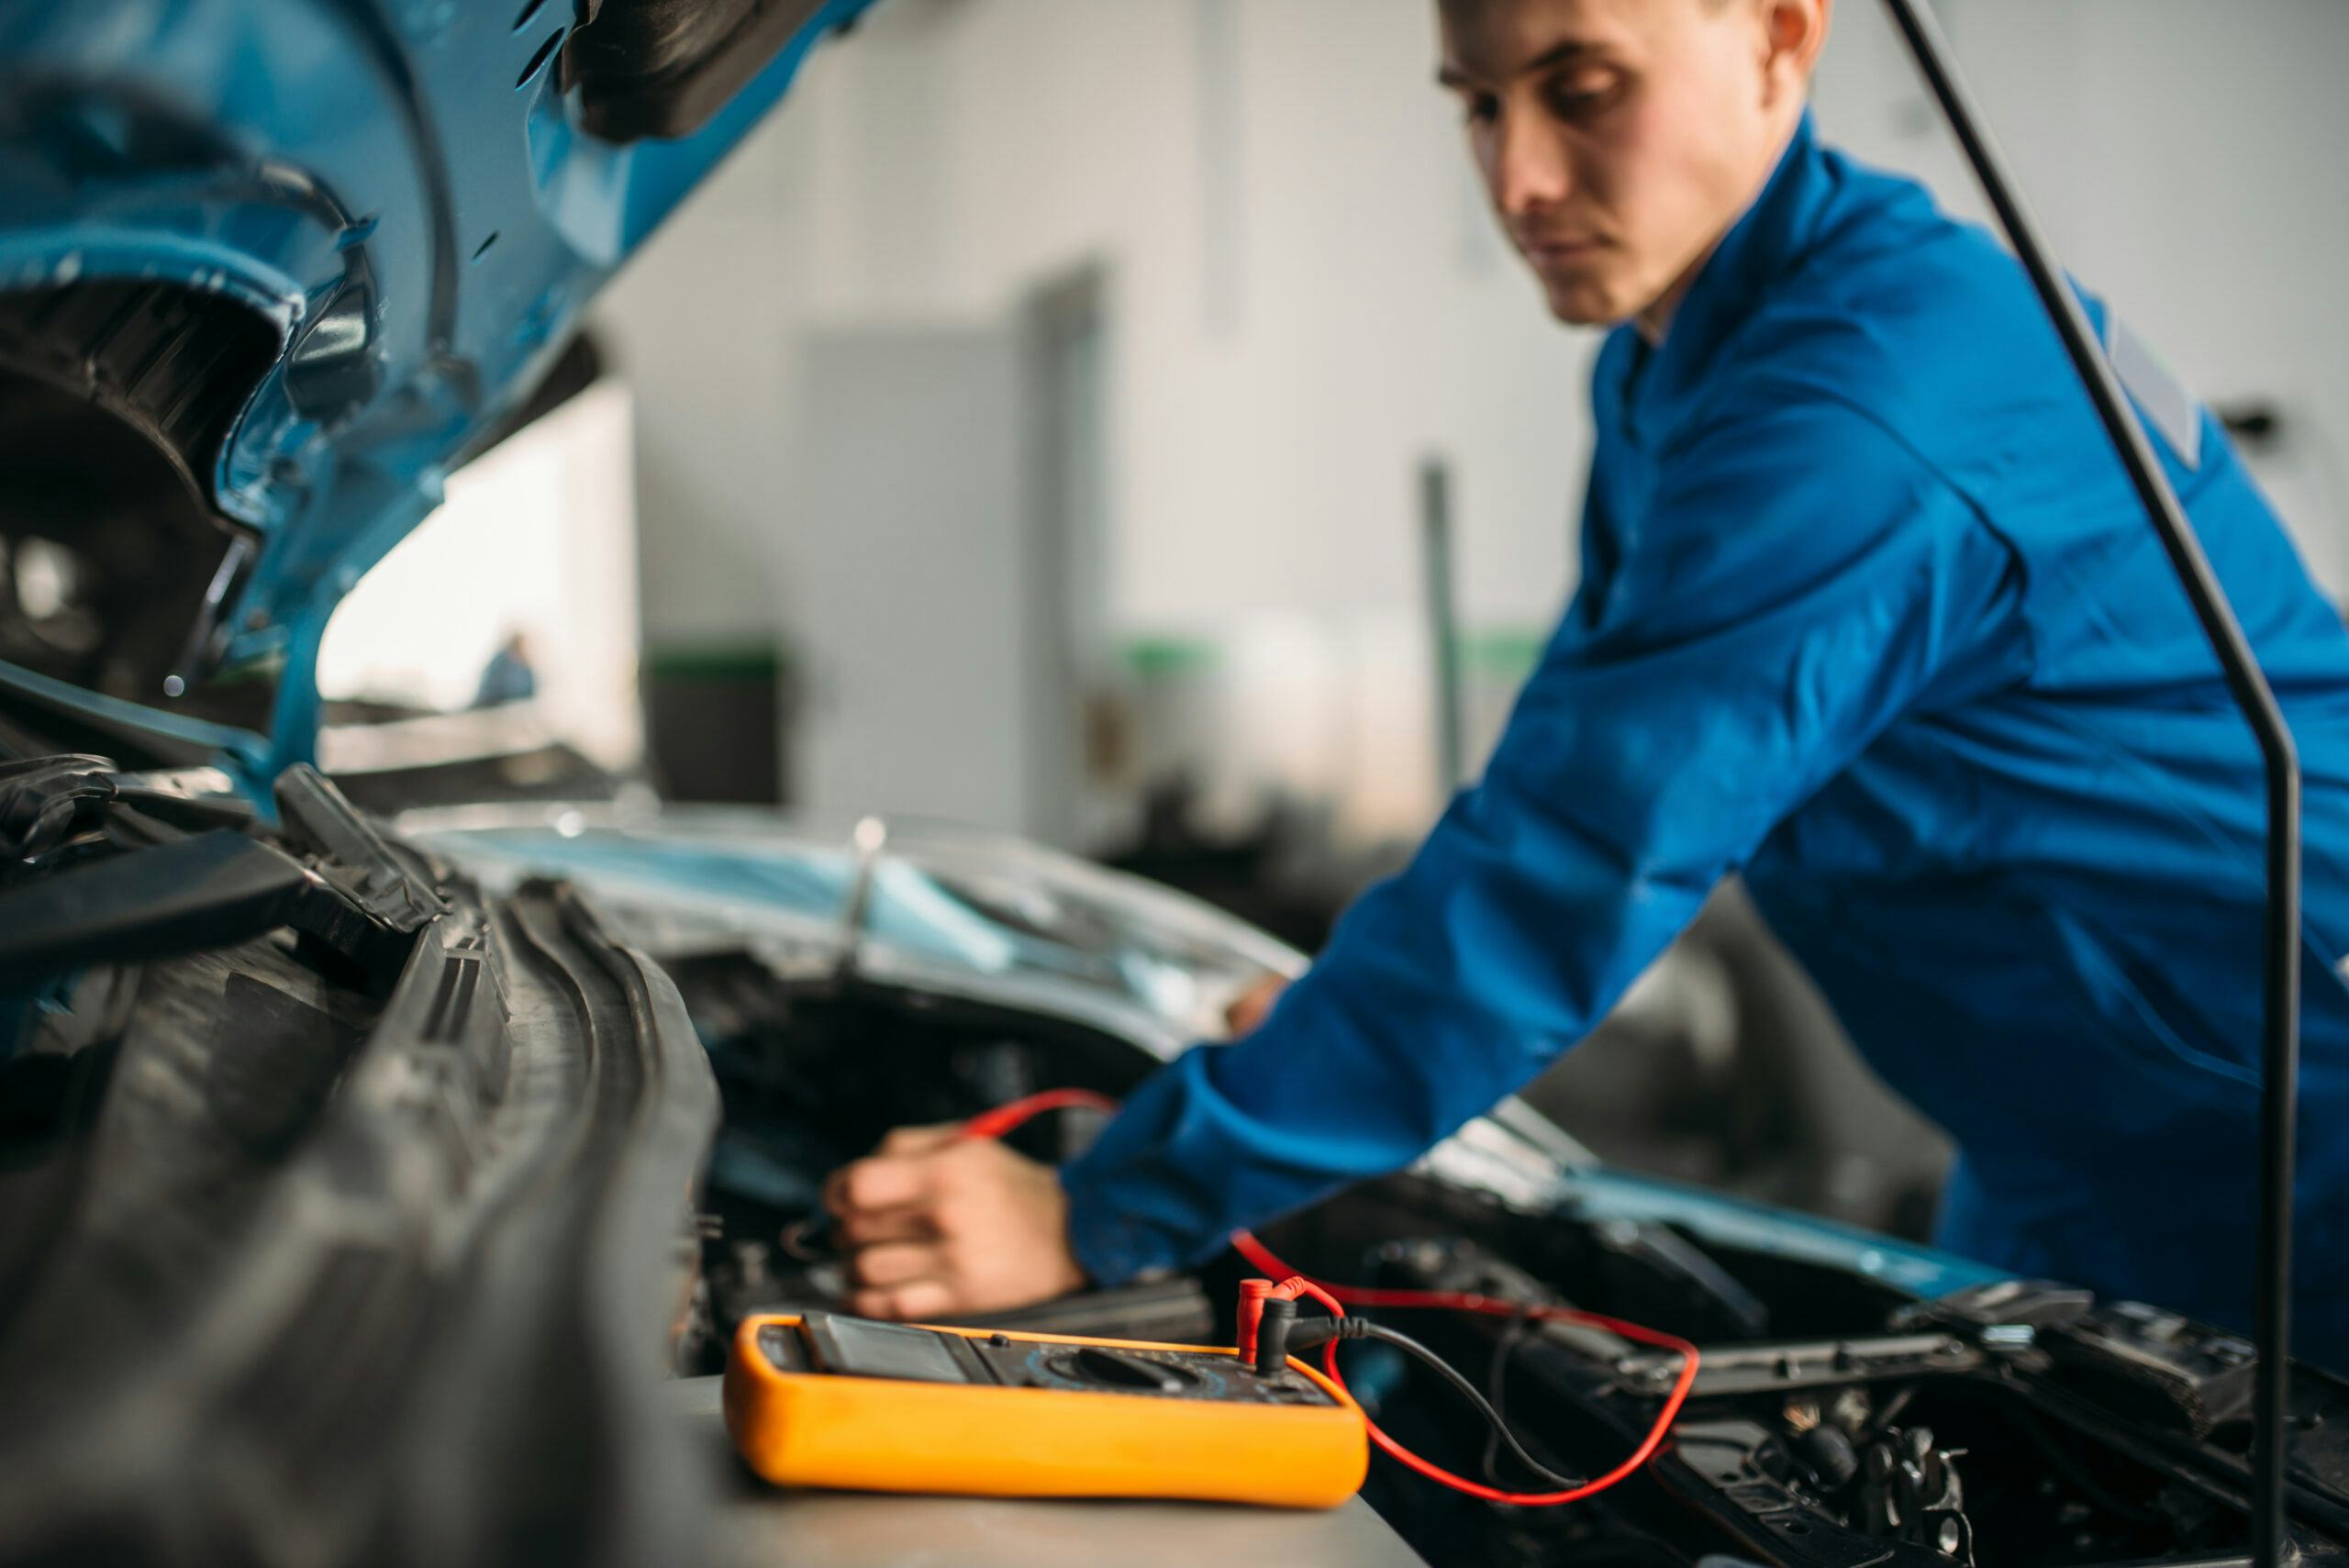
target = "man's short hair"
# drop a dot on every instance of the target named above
(1470, 7)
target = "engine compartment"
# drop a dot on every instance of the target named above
(1837, 1420)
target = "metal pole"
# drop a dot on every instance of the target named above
(1443, 623)
(2280, 1083)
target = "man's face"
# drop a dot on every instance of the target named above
(1619, 139)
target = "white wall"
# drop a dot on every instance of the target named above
(702, 325)
(538, 536)
(1307, 300)
(916, 696)
(2184, 159)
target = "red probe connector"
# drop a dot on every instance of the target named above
(1253, 1295)
(1260, 1299)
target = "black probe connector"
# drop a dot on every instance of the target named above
(1315, 1332)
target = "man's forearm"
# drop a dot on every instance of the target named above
(1416, 1017)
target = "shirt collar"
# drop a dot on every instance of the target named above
(1763, 246)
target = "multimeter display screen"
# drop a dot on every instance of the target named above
(882, 1349)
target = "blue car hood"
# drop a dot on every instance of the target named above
(406, 190)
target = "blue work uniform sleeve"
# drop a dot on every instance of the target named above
(1799, 580)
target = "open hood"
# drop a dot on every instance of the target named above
(271, 269)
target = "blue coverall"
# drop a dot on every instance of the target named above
(1868, 613)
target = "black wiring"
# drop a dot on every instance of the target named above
(1496, 1391)
(1470, 1391)
(1893, 1406)
(2078, 1476)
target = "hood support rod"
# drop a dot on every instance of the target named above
(2279, 1083)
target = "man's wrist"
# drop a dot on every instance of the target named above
(1111, 1250)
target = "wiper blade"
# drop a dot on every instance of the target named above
(208, 891)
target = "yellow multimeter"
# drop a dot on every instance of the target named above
(825, 1400)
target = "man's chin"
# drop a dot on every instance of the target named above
(1588, 302)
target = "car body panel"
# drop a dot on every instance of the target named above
(402, 187)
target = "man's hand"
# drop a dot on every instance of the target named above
(937, 1224)
(1253, 1005)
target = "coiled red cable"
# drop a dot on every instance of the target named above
(1338, 1298)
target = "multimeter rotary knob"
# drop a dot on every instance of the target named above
(1106, 1368)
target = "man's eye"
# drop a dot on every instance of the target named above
(1583, 100)
(1481, 108)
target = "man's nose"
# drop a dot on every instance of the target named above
(1529, 170)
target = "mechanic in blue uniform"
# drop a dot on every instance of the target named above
(1869, 615)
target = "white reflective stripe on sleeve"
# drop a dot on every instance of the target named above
(2160, 397)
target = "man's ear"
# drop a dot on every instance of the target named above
(1794, 32)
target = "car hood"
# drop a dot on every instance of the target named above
(321, 249)
(933, 906)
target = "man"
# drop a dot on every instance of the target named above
(1868, 614)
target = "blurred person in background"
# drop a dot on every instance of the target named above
(510, 676)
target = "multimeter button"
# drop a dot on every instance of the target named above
(1120, 1370)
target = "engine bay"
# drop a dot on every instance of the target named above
(1843, 1414)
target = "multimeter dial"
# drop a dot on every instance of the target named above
(855, 1346)
(1099, 1369)
(1147, 1371)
